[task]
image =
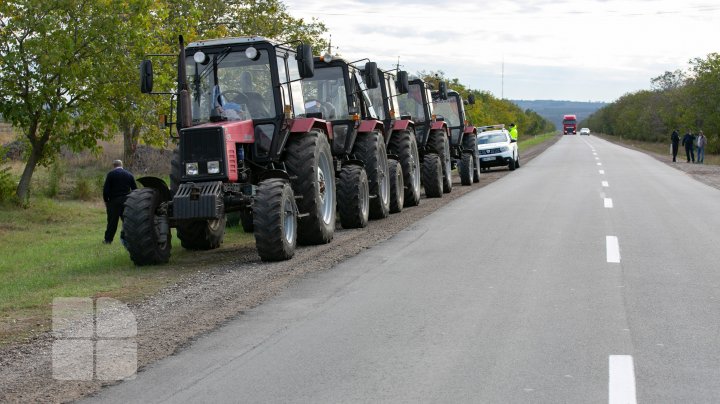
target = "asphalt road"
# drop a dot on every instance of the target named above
(547, 285)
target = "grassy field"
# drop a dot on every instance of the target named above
(530, 141)
(54, 249)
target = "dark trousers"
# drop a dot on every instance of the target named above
(690, 153)
(114, 213)
(674, 150)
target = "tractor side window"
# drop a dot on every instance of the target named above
(284, 86)
(362, 90)
(325, 93)
(376, 100)
(412, 103)
(296, 87)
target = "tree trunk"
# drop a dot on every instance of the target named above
(23, 189)
(131, 133)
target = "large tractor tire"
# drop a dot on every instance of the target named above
(397, 187)
(467, 169)
(439, 144)
(275, 220)
(370, 149)
(470, 143)
(147, 239)
(432, 176)
(201, 234)
(404, 145)
(310, 165)
(353, 197)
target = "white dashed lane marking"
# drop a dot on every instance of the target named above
(608, 203)
(613, 249)
(605, 184)
(601, 171)
(621, 380)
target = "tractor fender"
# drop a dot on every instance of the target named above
(304, 125)
(267, 174)
(441, 125)
(469, 130)
(371, 125)
(157, 184)
(402, 124)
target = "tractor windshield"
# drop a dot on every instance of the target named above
(376, 99)
(448, 109)
(231, 86)
(412, 103)
(325, 93)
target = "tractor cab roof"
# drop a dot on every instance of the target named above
(229, 41)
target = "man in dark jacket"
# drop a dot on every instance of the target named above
(675, 142)
(687, 142)
(118, 184)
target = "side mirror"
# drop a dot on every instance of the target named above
(304, 58)
(471, 99)
(403, 84)
(443, 90)
(146, 76)
(372, 78)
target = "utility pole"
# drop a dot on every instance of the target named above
(502, 80)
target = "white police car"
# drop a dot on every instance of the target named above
(496, 148)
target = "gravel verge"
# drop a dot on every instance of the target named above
(169, 320)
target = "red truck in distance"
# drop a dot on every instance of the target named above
(569, 124)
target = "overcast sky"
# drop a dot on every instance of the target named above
(588, 50)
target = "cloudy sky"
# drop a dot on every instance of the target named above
(586, 50)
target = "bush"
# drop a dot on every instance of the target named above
(57, 172)
(7, 183)
(84, 189)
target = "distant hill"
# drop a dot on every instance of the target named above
(554, 110)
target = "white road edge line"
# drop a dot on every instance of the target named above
(613, 249)
(621, 380)
(608, 203)
(605, 184)
(601, 171)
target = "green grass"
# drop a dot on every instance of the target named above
(530, 141)
(54, 249)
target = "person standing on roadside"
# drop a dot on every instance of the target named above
(118, 184)
(701, 142)
(513, 131)
(675, 143)
(687, 143)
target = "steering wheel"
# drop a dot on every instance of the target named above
(235, 96)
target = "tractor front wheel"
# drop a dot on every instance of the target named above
(275, 220)
(467, 169)
(397, 187)
(370, 149)
(353, 197)
(432, 176)
(201, 234)
(404, 145)
(146, 233)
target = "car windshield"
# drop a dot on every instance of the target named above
(230, 86)
(325, 92)
(492, 138)
(448, 109)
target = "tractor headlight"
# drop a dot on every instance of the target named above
(191, 168)
(252, 53)
(213, 167)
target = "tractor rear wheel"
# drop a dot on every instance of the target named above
(370, 149)
(147, 235)
(440, 144)
(201, 234)
(310, 165)
(432, 176)
(353, 197)
(404, 145)
(275, 220)
(470, 143)
(467, 169)
(397, 187)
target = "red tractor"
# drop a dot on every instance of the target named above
(431, 135)
(338, 92)
(245, 144)
(400, 137)
(462, 149)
